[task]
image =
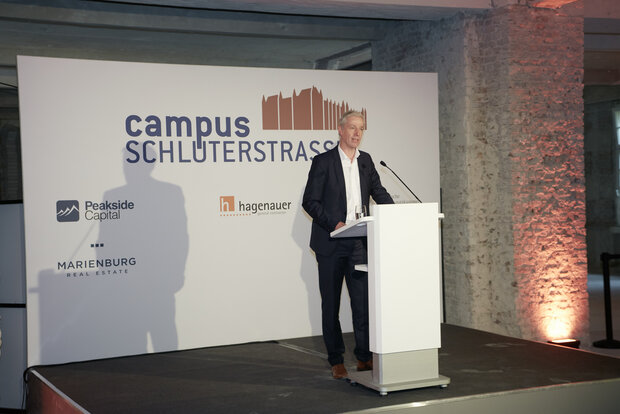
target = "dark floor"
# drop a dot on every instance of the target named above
(291, 376)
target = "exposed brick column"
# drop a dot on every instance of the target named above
(511, 140)
(548, 176)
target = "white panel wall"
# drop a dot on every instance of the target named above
(170, 266)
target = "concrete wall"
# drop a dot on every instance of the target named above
(511, 109)
(10, 158)
(601, 166)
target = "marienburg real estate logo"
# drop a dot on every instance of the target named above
(69, 210)
(229, 208)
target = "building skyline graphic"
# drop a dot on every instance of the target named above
(306, 110)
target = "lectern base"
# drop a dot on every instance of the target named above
(365, 378)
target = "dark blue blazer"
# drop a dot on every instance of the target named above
(325, 198)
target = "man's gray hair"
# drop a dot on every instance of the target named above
(343, 118)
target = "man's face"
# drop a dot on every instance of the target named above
(351, 132)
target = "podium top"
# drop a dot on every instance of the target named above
(355, 228)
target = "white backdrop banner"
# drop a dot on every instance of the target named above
(162, 203)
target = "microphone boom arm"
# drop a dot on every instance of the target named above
(396, 175)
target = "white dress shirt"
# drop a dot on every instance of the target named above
(351, 174)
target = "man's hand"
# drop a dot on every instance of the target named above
(340, 224)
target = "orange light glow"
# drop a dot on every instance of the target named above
(560, 324)
(551, 4)
(563, 341)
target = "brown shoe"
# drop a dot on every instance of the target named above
(364, 365)
(339, 371)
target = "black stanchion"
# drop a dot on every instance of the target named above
(609, 341)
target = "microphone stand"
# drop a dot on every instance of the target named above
(396, 175)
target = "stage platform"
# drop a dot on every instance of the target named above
(489, 374)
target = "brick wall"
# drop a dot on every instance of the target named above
(548, 178)
(511, 142)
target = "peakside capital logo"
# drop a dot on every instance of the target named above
(67, 210)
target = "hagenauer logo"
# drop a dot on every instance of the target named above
(307, 110)
(227, 203)
(67, 210)
(242, 208)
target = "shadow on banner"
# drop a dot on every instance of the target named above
(129, 296)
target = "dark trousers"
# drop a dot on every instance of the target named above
(333, 270)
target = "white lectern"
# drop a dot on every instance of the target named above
(403, 295)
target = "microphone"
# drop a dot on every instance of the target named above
(396, 175)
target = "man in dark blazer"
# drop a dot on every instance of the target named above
(340, 183)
